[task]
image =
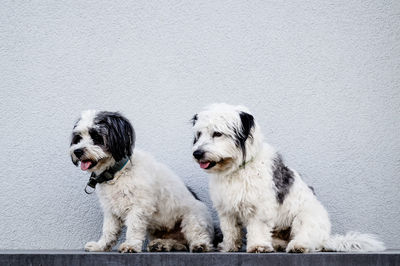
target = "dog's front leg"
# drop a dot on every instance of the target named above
(259, 238)
(232, 233)
(136, 229)
(111, 230)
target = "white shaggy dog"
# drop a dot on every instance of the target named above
(136, 191)
(251, 187)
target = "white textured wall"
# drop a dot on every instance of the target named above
(322, 78)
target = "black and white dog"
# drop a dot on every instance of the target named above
(136, 191)
(251, 187)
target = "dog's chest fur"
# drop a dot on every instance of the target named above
(117, 197)
(243, 193)
(151, 187)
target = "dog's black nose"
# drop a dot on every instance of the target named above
(78, 152)
(198, 154)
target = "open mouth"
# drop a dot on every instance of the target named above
(87, 164)
(207, 165)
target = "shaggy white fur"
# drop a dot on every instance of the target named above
(251, 187)
(145, 196)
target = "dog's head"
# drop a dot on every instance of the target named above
(224, 137)
(99, 139)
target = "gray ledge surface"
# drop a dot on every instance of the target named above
(78, 257)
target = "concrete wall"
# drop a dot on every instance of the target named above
(321, 77)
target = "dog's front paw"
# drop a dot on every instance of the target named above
(260, 249)
(225, 247)
(128, 247)
(94, 246)
(296, 247)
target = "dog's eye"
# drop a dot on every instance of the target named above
(97, 139)
(217, 134)
(76, 139)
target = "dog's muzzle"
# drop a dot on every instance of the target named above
(204, 164)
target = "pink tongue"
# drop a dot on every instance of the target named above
(85, 165)
(204, 165)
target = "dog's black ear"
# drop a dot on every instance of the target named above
(247, 124)
(247, 121)
(194, 119)
(120, 135)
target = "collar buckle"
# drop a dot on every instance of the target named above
(91, 183)
(89, 191)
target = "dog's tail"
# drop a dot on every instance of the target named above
(354, 241)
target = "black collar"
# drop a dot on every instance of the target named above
(107, 175)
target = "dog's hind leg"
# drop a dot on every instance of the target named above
(165, 245)
(259, 238)
(309, 232)
(167, 240)
(280, 239)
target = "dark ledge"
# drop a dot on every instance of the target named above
(78, 257)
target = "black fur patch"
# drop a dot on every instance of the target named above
(218, 236)
(194, 119)
(75, 138)
(75, 163)
(96, 137)
(312, 189)
(194, 194)
(283, 178)
(196, 138)
(74, 141)
(118, 132)
(244, 132)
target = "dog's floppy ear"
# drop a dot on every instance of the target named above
(247, 124)
(194, 119)
(120, 136)
(247, 121)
